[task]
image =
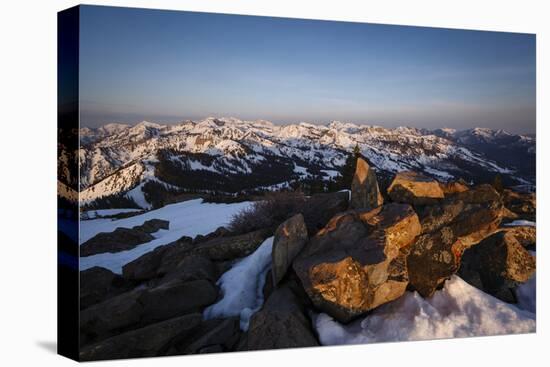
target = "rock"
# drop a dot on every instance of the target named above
(497, 265)
(231, 247)
(480, 194)
(193, 267)
(153, 225)
(320, 208)
(121, 239)
(522, 204)
(97, 284)
(348, 268)
(414, 188)
(364, 187)
(281, 323)
(290, 238)
(219, 232)
(148, 341)
(176, 298)
(111, 316)
(525, 235)
(469, 222)
(453, 187)
(158, 262)
(433, 258)
(223, 334)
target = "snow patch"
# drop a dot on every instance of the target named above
(521, 222)
(458, 310)
(188, 218)
(242, 286)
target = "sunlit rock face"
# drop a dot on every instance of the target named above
(357, 262)
(414, 188)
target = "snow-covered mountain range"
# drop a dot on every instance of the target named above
(230, 155)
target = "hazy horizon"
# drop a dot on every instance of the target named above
(169, 66)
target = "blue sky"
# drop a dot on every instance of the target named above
(165, 66)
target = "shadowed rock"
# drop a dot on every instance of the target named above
(365, 193)
(121, 239)
(348, 268)
(281, 323)
(98, 284)
(290, 238)
(522, 204)
(497, 265)
(433, 258)
(148, 341)
(414, 188)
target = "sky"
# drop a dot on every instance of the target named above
(170, 66)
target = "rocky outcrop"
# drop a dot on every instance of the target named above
(414, 188)
(121, 239)
(148, 341)
(97, 284)
(290, 238)
(282, 323)
(365, 193)
(348, 268)
(497, 265)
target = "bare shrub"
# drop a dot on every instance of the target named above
(275, 208)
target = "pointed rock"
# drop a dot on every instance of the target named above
(290, 238)
(365, 193)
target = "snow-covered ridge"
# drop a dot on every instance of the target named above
(229, 146)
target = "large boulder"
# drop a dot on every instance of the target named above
(282, 323)
(290, 238)
(148, 341)
(175, 298)
(355, 263)
(414, 188)
(522, 204)
(121, 239)
(497, 265)
(433, 258)
(477, 195)
(98, 284)
(365, 193)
